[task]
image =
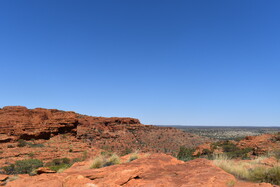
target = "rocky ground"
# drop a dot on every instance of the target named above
(51, 134)
(153, 170)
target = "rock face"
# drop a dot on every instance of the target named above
(154, 170)
(116, 134)
(39, 123)
(63, 134)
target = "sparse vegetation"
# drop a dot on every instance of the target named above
(276, 154)
(85, 155)
(10, 146)
(23, 166)
(23, 143)
(133, 156)
(31, 155)
(185, 154)
(229, 133)
(231, 183)
(269, 175)
(59, 164)
(97, 163)
(104, 160)
(249, 170)
(231, 150)
(127, 151)
(276, 138)
(112, 160)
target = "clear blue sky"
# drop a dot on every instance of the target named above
(189, 62)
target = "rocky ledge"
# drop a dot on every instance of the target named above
(154, 170)
(114, 134)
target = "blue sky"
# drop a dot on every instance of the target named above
(195, 62)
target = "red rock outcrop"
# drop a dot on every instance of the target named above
(154, 170)
(116, 134)
(261, 144)
(22, 123)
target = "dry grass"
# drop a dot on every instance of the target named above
(133, 156)
(239, 170)
(104, 160)
(251, 171)
(231, 183)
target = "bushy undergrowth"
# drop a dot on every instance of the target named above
(23, 166)
(231, 150)
(185, 154)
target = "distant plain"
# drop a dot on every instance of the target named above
(228, 132)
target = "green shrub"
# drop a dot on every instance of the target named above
(77, 160)
(22, 143)
(59, 161)
(23, 166)
(231, 150)
(59, 164)
(31, 155)
(185, 154)
(35, 145)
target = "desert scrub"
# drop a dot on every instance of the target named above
(276, 137)
(126, 151)
(103, 161)
(97, 163)
(269, 175)
(231, 150)
(276, 154)
(238, 170)
(250, 170)
(133, 156)
(60, 164)
(23, 143)
(185, 154)
(23, 166)
(231, 183)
